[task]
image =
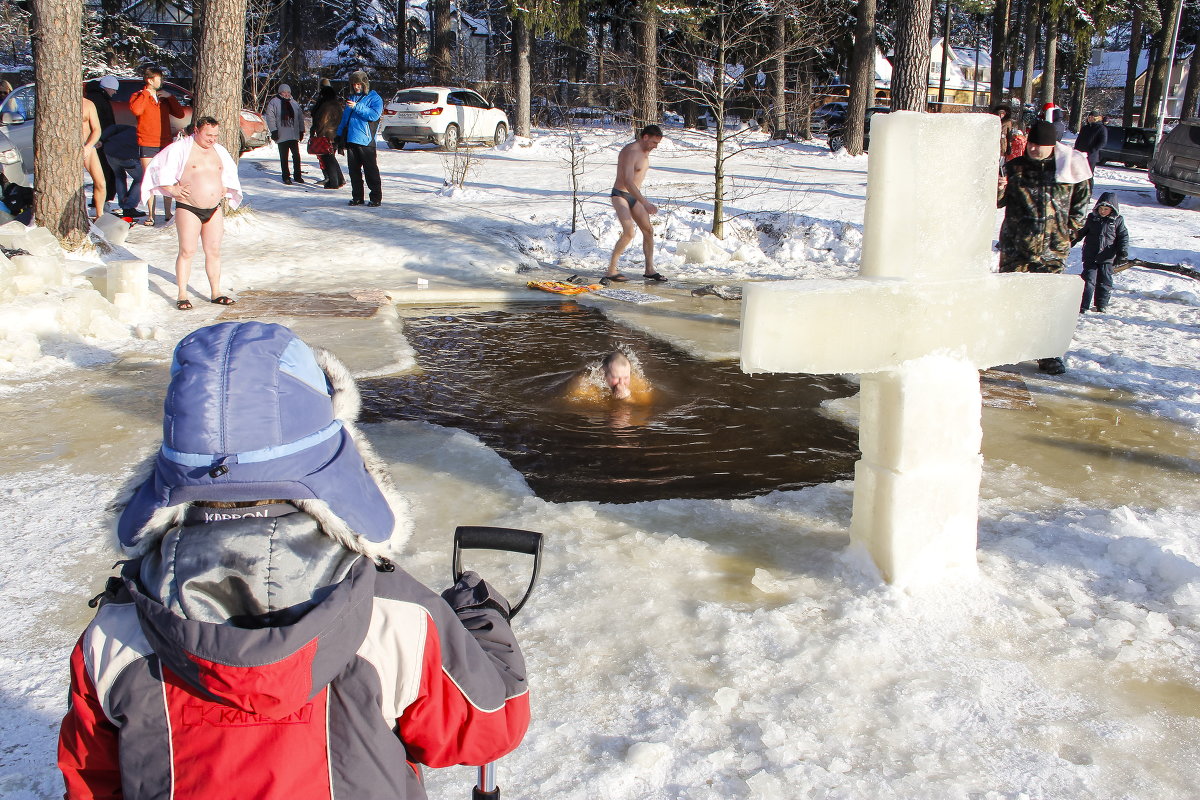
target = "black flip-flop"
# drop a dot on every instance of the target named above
(183, 305)
(655, 277)
(618, 278)
(223, 300)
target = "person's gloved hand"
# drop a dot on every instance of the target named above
(274, 136)
(340, 145)
(473, 592)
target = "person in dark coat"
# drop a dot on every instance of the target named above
(1092, 137)
(121, 153)
(100, 92)
(1105, 242)
(326, 114)
(1044, 194)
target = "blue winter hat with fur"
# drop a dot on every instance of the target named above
(253, 413)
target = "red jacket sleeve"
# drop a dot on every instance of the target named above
(176, 109)
(137, 102)
(443, 726)
(87, 741)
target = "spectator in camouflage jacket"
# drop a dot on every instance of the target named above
(1045, 195)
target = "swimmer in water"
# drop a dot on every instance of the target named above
(617, 374)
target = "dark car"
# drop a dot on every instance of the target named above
(1175, 167)
(827, 115)
(1129, 146)
(837, 132)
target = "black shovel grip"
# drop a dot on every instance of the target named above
(481, 537)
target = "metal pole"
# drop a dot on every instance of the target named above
(1162, 109)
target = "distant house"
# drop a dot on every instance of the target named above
(1107, 79)
(172, 26)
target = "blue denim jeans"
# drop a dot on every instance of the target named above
(128, 196)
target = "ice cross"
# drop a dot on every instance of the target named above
(924, 315)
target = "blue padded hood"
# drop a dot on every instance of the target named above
(249, 415)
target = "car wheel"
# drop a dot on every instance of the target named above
(836, 142)
(396, 144)
(450, 138)
(1168, 197)
(501, 135)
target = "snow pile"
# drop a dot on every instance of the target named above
(45, 301)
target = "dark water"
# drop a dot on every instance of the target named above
(710, 432)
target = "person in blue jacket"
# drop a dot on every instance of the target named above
(356, 138)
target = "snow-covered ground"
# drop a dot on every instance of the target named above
(772, 665)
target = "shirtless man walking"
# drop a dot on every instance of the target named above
(197, 173)
(91, 157)
(631, 205)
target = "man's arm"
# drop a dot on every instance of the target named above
(175, 108)
(1080, 197)
(138, 101)
(627, 175)
(93, 123)
(370, 108)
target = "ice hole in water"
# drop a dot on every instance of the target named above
(710, 431)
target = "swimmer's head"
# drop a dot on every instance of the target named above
(616, 370)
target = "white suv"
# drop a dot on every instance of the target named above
(445, 116)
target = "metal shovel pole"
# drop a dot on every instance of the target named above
(472, 537)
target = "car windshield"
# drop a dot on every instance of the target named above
(413, 96)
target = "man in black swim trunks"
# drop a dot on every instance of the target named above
(632, 207)
(198, 173)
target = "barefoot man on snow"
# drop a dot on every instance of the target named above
(631, 205)
(197, 173)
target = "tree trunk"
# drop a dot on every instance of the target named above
(862, 75)
(1030, 31)
(401, 43)
(57, 154)
(802, 122)
(645, 106)
(910, 72)
(1152, 88)
(521, 74)
(1135, 53)
(945, 55)
(719, 95)
(1191, 90)
(440, 55)
(999, 50)
(1050, 74)
(1079, 74)
(778, 116)
(1163, 68)
(220, 65)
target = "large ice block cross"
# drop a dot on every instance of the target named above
(925, 314)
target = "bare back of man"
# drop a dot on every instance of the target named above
(91, 158)
(632, 208)
(198, 215)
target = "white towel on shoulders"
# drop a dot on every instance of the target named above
(166, 168)
(1070, 165)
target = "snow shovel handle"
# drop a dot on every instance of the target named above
(480, 537)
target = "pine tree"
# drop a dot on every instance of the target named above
(362, 41)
